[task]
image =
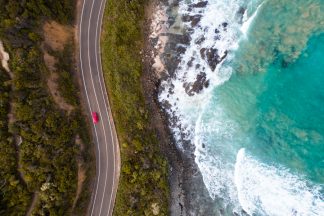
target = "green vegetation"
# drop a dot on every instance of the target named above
(38, 152)
(14, 198)
(65, 82)
(143, 179)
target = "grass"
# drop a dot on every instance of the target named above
(143, 180)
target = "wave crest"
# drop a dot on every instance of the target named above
(268, 190)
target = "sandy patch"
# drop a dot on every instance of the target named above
(57, 35)
(155, 209)
(58, 99)
(159, 26)
(4, 57)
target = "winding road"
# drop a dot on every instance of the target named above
(104, 133)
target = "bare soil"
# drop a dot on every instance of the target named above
(50, 61)
(57, 35)
(81, 171)
(81, 178)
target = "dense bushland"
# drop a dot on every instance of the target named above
(38, 152)
(143, 184)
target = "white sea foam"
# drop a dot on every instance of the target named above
(246, 182)
(186, 107)
(220, 15)
(248, 21)
(240, 180)
(217, 174)
(269, 190)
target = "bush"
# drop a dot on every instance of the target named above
(144, 170)
(47, 155)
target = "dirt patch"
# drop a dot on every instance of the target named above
(53, 88)
(81, 178)
(57, 35)
(50, 61)
(79, 142)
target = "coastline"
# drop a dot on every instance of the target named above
(187, 189)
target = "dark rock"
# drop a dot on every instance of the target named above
(186, 86)
(171, 20)
(189, 64)
(213, 58)
(240, 14)
(200, 40)
(202, 53)
(190, 31)
(217, 31)
(200, 4)
(221, 211)
(178, 39)
(206, 84)
(173, 60)
(166, 104)
(284, 64)
(195, 20)
(241, 11)
(170, 91)
(181, 49)
(197, 86)
(186, 18)
(225, 24)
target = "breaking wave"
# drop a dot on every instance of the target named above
(213, 56)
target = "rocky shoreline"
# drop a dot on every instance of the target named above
(189, 195)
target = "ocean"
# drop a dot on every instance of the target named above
(257, 120)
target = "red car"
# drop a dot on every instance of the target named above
(95, 117)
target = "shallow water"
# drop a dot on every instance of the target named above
(259, 126)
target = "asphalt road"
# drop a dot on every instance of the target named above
(105, 139)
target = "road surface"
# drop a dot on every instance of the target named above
(93, 87)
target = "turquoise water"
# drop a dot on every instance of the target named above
(258, 128)
(282, 111)
(278, 118)
(270, 115)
